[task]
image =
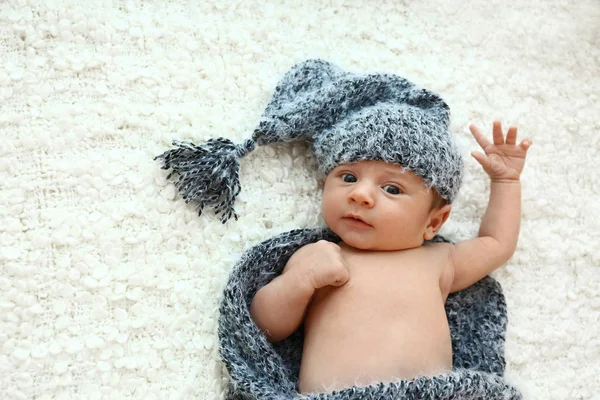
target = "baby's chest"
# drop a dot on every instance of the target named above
(377, 270)
(382, 285)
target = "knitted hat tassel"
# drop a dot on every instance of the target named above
(347, 117)
(208, 173)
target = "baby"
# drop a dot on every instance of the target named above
(373, 305)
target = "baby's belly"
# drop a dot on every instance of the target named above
(375, 330)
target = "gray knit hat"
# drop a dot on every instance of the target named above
(347, 117)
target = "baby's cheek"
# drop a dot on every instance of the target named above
(329, 212)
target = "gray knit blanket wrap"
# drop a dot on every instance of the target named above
(261, 370)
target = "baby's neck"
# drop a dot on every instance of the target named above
(346, 247)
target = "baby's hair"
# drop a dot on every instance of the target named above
(437, 202)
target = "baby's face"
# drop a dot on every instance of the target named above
(394, 205)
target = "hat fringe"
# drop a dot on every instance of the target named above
(208, 173)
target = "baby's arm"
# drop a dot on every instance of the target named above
(278, 308)
(503, 162)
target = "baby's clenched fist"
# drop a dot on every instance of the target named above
(320, 263)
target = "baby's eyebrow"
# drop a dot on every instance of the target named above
(403, 177)
(387, 172)
(395, 173)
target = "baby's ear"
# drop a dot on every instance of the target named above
(436, 221)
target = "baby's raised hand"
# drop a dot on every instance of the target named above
(321, 264)
(503, 160)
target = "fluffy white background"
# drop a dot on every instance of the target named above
(110, 284)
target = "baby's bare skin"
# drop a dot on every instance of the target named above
(387, 322)
(373, 307)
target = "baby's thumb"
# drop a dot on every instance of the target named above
(481, 158)
(340, 282)
(342, 278)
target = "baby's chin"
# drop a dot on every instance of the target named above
(353, 239)
(358, 241)
(363, 242)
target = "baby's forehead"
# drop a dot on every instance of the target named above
(383, 167)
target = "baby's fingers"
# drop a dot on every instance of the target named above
(498, 135)
(511, 136)
(525, 144)
(481, 159)
(479, 136)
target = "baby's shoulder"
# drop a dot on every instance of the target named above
(428, 254)
(440, 254)
(439, 248)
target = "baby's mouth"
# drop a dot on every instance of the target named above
(355, 221)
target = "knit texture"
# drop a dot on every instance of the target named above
(347, 117)
(352, 117)
(261, 370)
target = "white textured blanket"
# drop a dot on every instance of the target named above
(110, 284)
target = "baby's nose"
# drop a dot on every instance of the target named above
(362, 195)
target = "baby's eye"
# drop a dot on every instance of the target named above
(351, 178)
(394, 189)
